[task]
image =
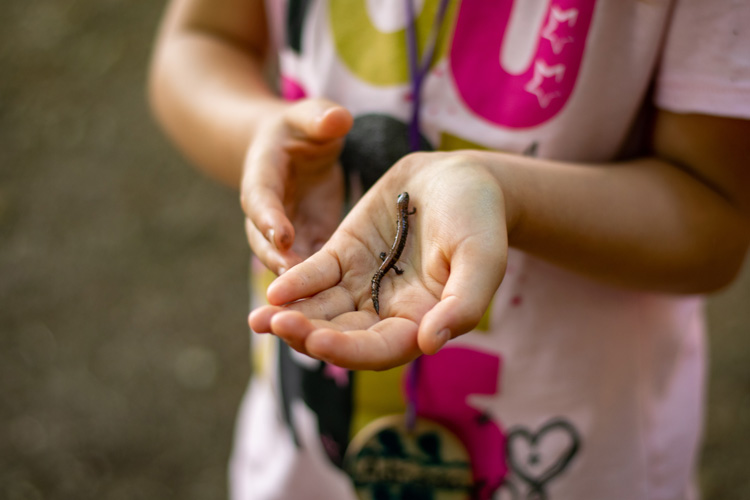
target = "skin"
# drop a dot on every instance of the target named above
(674, 221)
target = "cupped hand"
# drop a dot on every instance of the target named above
(453, 262)
(292, 186)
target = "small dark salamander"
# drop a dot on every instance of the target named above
(389, 261)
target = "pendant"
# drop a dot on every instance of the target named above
(388, 459)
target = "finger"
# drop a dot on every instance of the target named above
(319, 272)
(293, 328)
(354, 320)
(263, 190)
(326, 305)
(319, 120)
(475, 274)
(313, 158)
(389, 343)
(268, 254)
(259, 319)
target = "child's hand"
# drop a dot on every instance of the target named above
(453, 263)
(292, 186)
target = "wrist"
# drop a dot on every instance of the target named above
(503, 168)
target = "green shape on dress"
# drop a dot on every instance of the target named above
(377, 57)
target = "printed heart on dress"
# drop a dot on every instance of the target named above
(537, 457)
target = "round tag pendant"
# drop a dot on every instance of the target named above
(389, 460)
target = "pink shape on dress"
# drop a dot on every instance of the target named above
(291, 90)
(444, 382)
(539, 92)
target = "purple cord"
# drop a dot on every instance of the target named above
(418, 71)
(412, 383)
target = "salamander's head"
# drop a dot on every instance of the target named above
(403, 199)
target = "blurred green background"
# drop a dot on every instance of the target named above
(123, 296)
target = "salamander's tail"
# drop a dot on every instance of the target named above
(375, 293)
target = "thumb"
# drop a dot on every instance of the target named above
(319, 120)
(475, 276)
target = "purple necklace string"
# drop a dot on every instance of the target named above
(412, 384)
(417, 73)
(418, 70)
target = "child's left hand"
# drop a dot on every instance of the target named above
(453, 263)
(292, 186)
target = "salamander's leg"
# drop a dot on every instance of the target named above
(398, 271)
(413, 211)
(382, 256)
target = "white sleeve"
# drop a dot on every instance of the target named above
(705, 65)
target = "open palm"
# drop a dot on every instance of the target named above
(453, 262)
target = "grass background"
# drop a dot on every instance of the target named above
(123, 346)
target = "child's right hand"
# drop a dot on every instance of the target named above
(292, 184)
(453, 262)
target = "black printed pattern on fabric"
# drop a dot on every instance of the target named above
(328, 398)
(392, 448)
(524, 451)
(374, 144)
(295, 19)
(390, 469)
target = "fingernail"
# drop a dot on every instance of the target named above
(282, 270)
(321, 114)
(285, 240)
(269, 236)
(442, 337)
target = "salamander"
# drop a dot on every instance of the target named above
(389, 260)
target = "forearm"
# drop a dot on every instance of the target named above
(645, 224)
(208, 92)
